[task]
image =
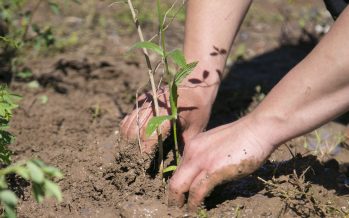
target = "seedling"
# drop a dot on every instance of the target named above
(43, 99)
(324, 143)
(96, 111)
(35, 171)
(17, 21)
(173, 80)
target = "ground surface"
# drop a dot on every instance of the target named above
(90, 86)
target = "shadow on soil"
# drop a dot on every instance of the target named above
(266, 70)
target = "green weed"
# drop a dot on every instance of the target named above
(34, 171)
(324, 143)
(16, 22)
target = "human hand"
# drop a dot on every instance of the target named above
(194, 111)
(222, 154)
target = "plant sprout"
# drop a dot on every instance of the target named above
(174, 79)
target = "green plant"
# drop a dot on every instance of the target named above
(16, 22)
(35, 171)
(173, 79)
(39, 174)
(7, 104)
(324, 143)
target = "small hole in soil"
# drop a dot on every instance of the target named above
(124, 169)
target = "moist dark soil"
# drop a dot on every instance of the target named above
(71, 121)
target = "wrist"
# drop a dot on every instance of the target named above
(275, 128)
(259, 133)
(205, 79)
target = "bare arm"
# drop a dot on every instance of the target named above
(313, 92)
(211, 25)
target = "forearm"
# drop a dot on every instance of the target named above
(314, 92)
(211, 25)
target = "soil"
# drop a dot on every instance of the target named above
(90, 88)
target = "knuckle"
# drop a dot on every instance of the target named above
(191, 148)
(174, 187)
(177, 186)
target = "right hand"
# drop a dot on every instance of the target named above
(194, 111)
(222, 154)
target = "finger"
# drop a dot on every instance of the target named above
(139, 115)
(123, 127)
(124, 121)
(128, 125)
(205, 182)
(202, 185)
(180, 183)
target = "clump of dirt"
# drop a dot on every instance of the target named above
(141, 191)
(131, 172)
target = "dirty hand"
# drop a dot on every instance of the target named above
(222, 154)
(194, 112)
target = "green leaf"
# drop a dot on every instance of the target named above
(178, 57)
(38, 162)
(154, 123)
(184, 72)
(10, 211)
(3, 183)
(8, 197)
(7, 104)
(13, 43)
(43, 99)
(52, 171)
(34, 84)
(160, 16)
(25, 74)
(5, 139)
(169, 169)
(38, 192)
(35, 173)
(54, 8)
(149, 45)
(23, 172)
(52, 189)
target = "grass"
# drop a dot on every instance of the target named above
(324, 143)
(299, 196)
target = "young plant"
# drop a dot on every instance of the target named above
(16, 22)
(174, 79)
(324, 143)
(7, 104)
(34, 171)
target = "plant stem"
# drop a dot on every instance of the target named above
(174, 124)
(167, 72)
(153, 87)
